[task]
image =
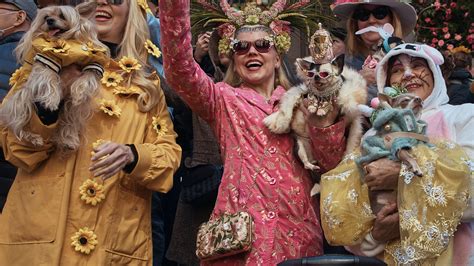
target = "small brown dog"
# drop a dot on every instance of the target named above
(55, 24)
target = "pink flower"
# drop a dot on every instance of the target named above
(427, 20)
(434, 40)
(437, 5)
(457, 37)
(466, 14)
(448, 11)
(450, 46)
(447, 35)
(470, 38)
(280, 26)
(453, 5)
(440, 43)
(445, 29)
(226, 30)
(434, 33)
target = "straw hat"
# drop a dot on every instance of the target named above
(405, 11)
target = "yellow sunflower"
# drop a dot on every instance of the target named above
(152, 49)
(160, 126)
(92, 192)
(84, 240)
(58, 46)
(109, 107)
(129, 63)
(16, 76)
(111, 79)
(126, 91)
(94, 49)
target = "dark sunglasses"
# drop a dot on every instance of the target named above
(379, 13)
(114, 2)
(243, 47)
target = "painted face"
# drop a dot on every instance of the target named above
(254, 67)
(111, 20)
(413, 73)
(371, 15)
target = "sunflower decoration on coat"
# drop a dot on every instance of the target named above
(129, 64)
(92, 192)
(58, 46)
(109, 107)
(281, 16)
(84, 241)
(152, 49)
(111, 79)
(18, 76)
(159, 125)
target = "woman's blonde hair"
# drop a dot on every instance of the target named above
(355, 44)
(133, 45)
(232, 78)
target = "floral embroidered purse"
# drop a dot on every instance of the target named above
(228, 235)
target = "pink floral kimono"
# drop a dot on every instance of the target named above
(262, 173)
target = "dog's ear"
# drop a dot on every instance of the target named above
(303, 64)
(384, 98)
(339, 63)
(86, 9)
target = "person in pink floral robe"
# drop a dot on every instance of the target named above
(262, 173)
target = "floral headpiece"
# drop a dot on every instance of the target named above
(280, 17)
(460, 49)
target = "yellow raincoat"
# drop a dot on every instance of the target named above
(57, 213)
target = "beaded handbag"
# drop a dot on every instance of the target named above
(228, 235)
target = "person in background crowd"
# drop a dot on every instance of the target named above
(16, 19)
(276, 195)
(460, 79)
(93, 207)
(361, 14)
(338, 36)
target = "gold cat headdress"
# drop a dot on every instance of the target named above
(281, 17)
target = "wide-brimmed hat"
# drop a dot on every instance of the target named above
(405, 11)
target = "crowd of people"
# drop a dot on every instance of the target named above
(175, 137)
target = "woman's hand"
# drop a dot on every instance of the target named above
(382, 174)
(387, 225)
(202, 46)
(321, 121)
(110, 158)
(368, 74)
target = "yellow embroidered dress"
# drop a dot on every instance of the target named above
(430, 207)
(57, 213)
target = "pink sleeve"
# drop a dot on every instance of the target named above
(182, 73)
(328, 144)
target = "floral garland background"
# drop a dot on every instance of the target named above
(445, 24)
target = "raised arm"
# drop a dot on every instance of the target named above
(182, 73)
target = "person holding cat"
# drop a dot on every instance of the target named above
(91, 205)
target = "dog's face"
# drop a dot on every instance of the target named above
(404, 101)
(319, 76)
(63, 21)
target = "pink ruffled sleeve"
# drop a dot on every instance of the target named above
(182, 73)
(329, 145)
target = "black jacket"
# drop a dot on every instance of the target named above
(458, 87)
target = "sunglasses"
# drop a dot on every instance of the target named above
(322, 75)
(379, 13)
(243, 47)
(114, 2)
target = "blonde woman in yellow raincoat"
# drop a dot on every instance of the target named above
(92, 207)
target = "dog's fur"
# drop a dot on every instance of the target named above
(373, 147)
(289, 116)
(44, 86)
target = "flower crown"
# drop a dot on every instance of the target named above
(280, 17)
(460, 49)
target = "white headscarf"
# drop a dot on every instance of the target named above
(438, 96)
